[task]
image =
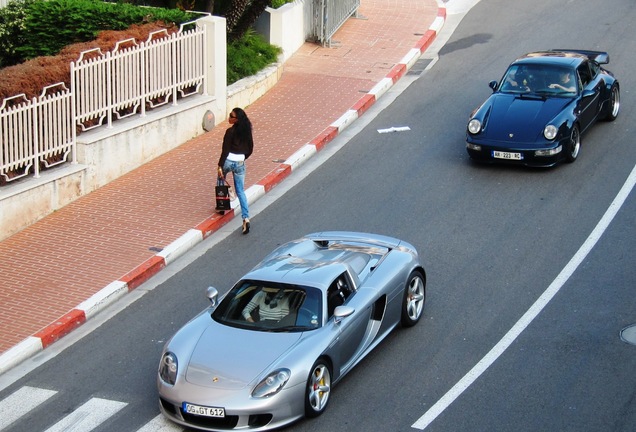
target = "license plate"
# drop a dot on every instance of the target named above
(203, 410)
(507, 155)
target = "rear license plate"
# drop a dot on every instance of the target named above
(203, 410)
(507, 155)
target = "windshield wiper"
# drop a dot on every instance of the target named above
(535, 95)
(289, 328)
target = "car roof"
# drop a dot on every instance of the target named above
(298, 271)
(306, 262)
(557, 58)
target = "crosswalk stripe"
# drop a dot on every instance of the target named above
(88, 416)
(160, 424)
(84, 419)
(21, 402)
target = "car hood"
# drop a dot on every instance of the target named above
(521, 118)
(231, 358)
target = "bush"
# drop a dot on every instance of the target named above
(278, 3)
(31, 76)
(249, 55)
(12, 18)
(44, 34)
(31, 27)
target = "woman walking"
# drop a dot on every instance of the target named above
(237, 147)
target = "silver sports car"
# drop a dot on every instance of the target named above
(271, 350)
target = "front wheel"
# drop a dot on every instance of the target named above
(414, 299)
(318, 389)
(573, 145)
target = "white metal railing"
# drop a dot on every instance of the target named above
(37, 133)
(151, 74)
(324, 17)
(41, 132)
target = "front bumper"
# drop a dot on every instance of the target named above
(518, 154)
(241, 411)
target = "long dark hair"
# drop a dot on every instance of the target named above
(243, 126)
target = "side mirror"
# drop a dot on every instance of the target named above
(493, 85)
(342, 312)
(212, 295)
(588, 93)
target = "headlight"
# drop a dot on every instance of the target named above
(550, 132)
(548, 152)
(474, 126)
(272, 384)
(168, 368)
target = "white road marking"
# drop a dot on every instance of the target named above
(84, 419)
(88, 416)
(160, 424)
(534, 310)
(22, 402)
(395, 129)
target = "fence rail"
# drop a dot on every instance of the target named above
(335, 13)
(324, 17)
(39, 133)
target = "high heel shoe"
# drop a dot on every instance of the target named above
(246, 226)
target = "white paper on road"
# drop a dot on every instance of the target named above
(395, 129)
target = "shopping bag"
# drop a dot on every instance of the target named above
(222, 192)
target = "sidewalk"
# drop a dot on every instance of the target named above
(61, 271)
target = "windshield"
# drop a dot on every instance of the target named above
(265, 306)
(544, 80)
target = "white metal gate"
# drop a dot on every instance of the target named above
(324, 17)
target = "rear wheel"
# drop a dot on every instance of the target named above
(318, 389)
(573, 145)
(414, 299)
(614, 104)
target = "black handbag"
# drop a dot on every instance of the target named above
(222, 192)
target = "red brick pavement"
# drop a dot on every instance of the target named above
(49, 268)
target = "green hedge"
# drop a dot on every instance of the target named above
(12, 19)
(247, 56)
(278, 3)
(45, 34)
(32, 28)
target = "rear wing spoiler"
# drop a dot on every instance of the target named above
(600, 57)
(326, 237)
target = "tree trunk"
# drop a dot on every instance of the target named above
(249, 17)
(235, 12)
(208, 6)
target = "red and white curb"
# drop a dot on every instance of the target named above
(115, 290)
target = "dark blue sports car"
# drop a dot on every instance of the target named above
(541, 107)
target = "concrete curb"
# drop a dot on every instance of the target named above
(117, 289)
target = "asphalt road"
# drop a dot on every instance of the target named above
(493, 240)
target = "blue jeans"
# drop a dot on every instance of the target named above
(238, 172)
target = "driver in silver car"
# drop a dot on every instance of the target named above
(272, 306)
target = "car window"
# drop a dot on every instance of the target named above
(264, 306)
(540, 79)
(594, 69)
(561, 80)
(515, 80)
(585, 74)
(338, 293)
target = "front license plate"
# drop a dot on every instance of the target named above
(507, 155)
(203, 410)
